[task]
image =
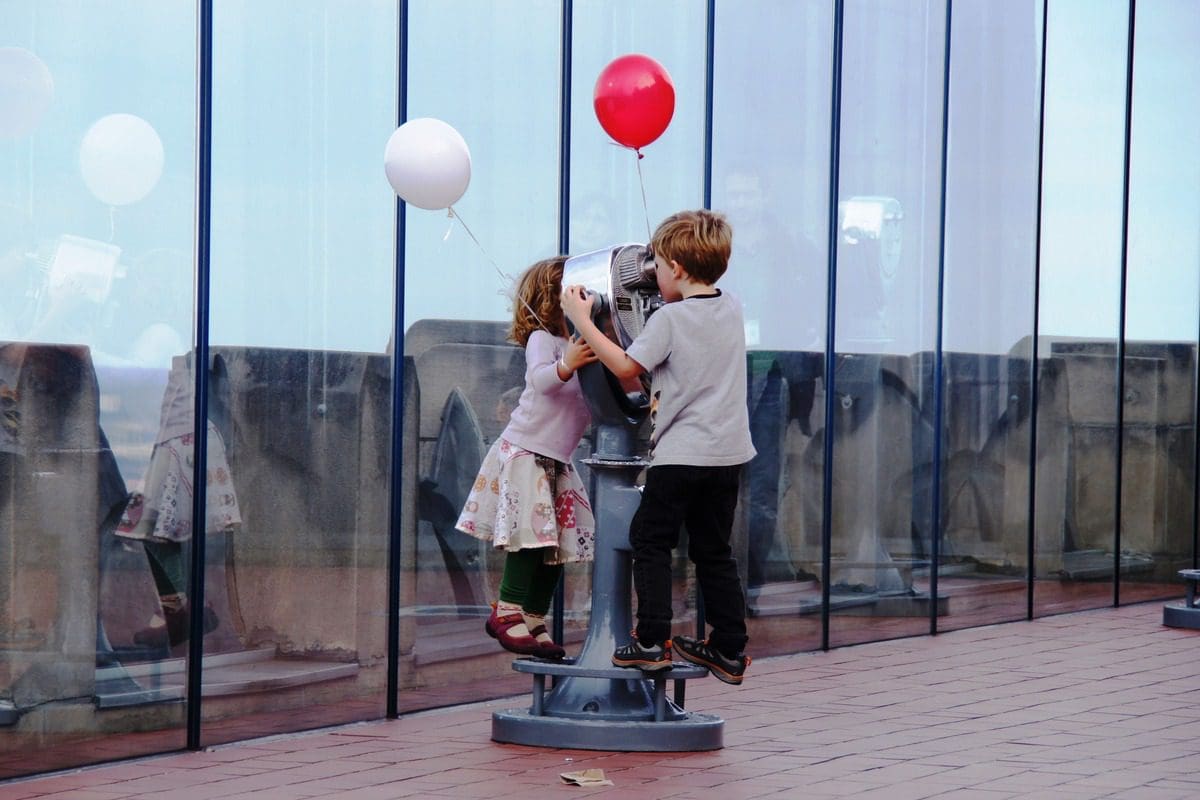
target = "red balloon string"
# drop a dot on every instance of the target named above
(642, 184)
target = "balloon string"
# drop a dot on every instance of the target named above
(642, 184)
(454, 215)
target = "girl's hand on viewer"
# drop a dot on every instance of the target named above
(578, 353)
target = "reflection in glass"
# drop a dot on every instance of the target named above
(159, 517)
(1157, 517)
(991, 196)
(606, 191)
(467, 377)
(299, 384)
(491, 71)
(771, 178)
(96, 182)
(889, 224)
(1079, 314)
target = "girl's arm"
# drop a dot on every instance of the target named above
(578, 308)
(548, 372)
(578, 353)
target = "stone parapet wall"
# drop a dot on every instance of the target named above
(308, 436)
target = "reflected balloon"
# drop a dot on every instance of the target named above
(427, 162)
(634, 100)
(26, 91)
(121, 159)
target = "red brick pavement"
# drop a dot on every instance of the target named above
(1088, 705)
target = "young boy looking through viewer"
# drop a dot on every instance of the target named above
(695, 349)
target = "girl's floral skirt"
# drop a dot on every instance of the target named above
(164, 512)
(522, 500)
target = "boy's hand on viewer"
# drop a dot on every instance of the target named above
(576, 304)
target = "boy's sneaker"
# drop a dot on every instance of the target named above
(723, 668)
(648, 658)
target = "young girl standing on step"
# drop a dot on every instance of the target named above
(528, 499)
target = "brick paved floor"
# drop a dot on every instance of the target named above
(1088, 705)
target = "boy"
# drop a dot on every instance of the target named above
(696, 350)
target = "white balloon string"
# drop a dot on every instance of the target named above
(450, 227)
(505, 276)
(454, 215)
(642, 184)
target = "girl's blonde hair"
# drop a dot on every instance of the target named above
(536, 304)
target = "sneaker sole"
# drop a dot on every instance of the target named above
(644, 666)
(716, 671)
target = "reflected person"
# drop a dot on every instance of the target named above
(160, 517)
(773, 260)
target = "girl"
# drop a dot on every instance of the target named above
(528, 498)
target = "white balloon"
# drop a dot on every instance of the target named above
(26, 90)
(427, 163)
(121, 159)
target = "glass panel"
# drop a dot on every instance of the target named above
(889, 220)
(96, 215)
(991, 228)
(1159, 462)
(771, 178)
(492, 72)
(300, 402)
(636, 195)
(605, 175)
(1079, 312)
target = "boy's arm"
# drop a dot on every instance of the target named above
(578, 308)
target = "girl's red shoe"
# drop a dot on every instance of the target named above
(546, 649)
(498, 628)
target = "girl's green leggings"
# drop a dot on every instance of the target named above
(528, 581)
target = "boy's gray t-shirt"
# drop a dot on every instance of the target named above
(696, 351)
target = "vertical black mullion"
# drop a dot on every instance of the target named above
(710, 49)
(396, 504)
(835, 127)
(1030, 550)
(1122, 305)
(564, 128)
(195, 654)
(1196, 450)
(709, 73)
(564, 208)
(938, 376)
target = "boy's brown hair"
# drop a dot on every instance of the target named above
(700, 241)
(536, 304)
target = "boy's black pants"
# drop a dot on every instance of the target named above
(703, 498)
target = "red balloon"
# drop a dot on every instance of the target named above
(634, 100)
